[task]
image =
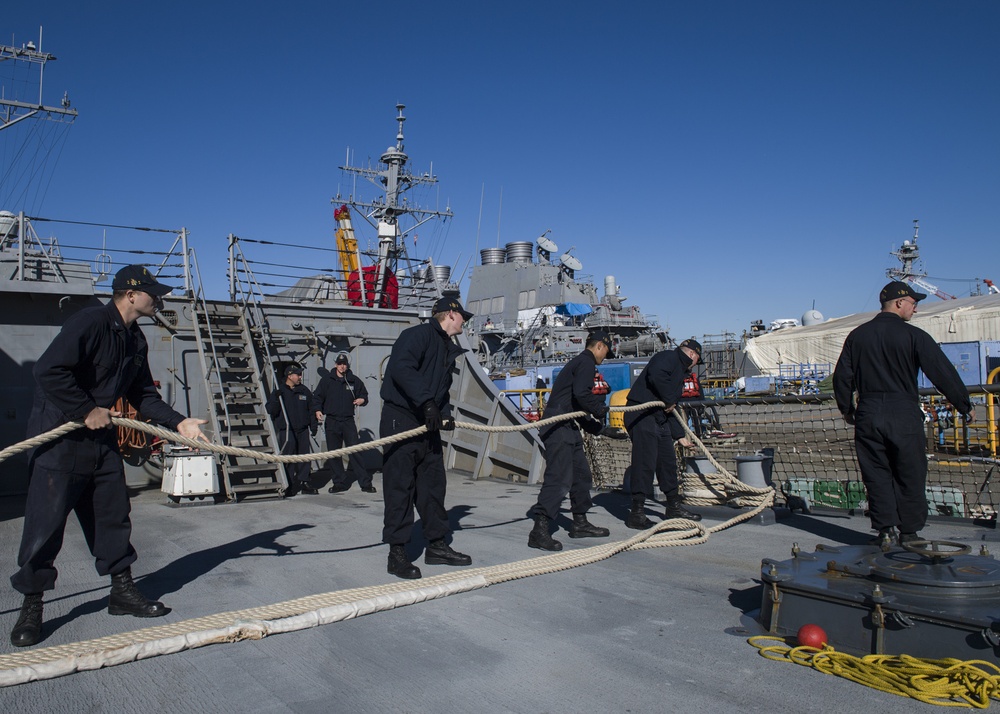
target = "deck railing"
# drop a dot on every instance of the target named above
(290, 272)
(814, 456)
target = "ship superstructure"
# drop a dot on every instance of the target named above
(218, 358)
(532, 312)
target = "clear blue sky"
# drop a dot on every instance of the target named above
(726, 161)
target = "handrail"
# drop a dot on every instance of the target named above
(538, 405)
(822, 397)
(197, 295)
(991, 421)
(27, 234)
(255, 318)
(417, 278)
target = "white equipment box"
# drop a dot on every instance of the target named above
(189, 473)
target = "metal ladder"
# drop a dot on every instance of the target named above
(233, 380)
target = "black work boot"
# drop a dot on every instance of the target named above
(127, 600)
(400, 565)
(886, 538)
(582, 528)
(637, 517)
(28, 630)
(540, 537)
(440, 553)
(675, 509)
(909, 538)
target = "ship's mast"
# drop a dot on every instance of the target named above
(907, 255)
(13, 111)
(385, 213)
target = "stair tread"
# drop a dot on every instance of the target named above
(275, 485)
(243, 468)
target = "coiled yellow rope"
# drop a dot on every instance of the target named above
(948, 682)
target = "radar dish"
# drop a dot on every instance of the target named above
(570, 262)
(547, 245)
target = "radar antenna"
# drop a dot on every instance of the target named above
(570, 264)
(546, 247)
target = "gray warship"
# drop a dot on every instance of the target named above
(219, 359)
(533, 313)
(661, 623)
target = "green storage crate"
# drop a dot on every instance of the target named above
(846, 495)
(800, 487)
(945, 501)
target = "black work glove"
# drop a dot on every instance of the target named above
(312, 430)
(613, 432)
(432, 415)
(591, 425)
(448, 424)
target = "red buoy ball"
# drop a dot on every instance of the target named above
(811, 636)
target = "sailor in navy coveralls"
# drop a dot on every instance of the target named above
(335, 400)
(293, 432)
(880, 361)
(415, 391)
(654, 431)
(97, 358)
(566, 467)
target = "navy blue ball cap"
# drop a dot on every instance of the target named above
(898, 289)
(601, 336)
(136, 277)
(693, 345)
(447, 304)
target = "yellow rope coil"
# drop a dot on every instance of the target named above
(948, 682)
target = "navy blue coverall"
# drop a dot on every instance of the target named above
(297, 401)
(880, 361)
(653, 431)
(93, 361)
(419, 370)
(334, 398)
(566, 467)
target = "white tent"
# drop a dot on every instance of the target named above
(972, 319)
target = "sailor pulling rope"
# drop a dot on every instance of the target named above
(256, 623)
(758, 498)
(311, 611)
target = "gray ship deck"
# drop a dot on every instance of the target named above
(644, 631)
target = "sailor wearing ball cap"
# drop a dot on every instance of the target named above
(293, 431)
(880, 361)
(99, 357)
(415, 392)
(337, 397)
(654, 431)
(566, 467)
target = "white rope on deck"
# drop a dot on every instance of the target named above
(313, 611)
